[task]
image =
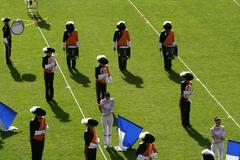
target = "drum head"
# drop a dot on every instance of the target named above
(17, 27)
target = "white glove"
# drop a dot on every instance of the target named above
(109, 79)
(129, 44)
(92, 146)
(63, 46)
(154, 155)
(160, 45)
(141, 157)
(5, 40)
(98, 141)
(114, 45)
(188, 93)
(78, 44)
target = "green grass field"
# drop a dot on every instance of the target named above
(207, 34)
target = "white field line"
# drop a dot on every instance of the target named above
(237, 3)
(68, 86)
(214, 98)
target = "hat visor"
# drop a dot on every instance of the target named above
(40, 112)
(92, 122)
(188, 77)
(149, 138)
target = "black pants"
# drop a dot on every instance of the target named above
(37, 149)
(167, 61)
(72, 54)
(100, 91)
(49, 91)
(90, 154)
(8, 49)
(185, 111)
(123, 54)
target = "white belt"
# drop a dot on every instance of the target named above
(72, 46)
(40, 132)
(123, 46)
(107, 114)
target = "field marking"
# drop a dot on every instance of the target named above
(68, 86)
(237, 3)
(216, 100)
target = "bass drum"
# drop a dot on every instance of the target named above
(17, 27)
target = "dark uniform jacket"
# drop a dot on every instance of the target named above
(141, 149)
(7, 32)
(34, 126)
(88, 136)
(163, 36)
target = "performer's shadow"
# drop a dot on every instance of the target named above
(202, 141)
(174, 76)
(20, 78)
(115, 122)
(114, 154)
(132, 79)
(41, 22)
(130, 153)
(80, 78)
(58, 111)
(29, 77)
(4, 135)
(1, 144)
(15, 74)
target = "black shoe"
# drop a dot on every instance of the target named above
(49, 99)
(187, 125)
(9, 62)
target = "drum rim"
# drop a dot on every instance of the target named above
(22, 29)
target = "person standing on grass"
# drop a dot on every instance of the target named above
(217, 133)
(103, 76)
(122, 42)
(185, 101)
(7, 39)
(71, 44)
(208, 155)
(49, 66)
(38, 128)
(107, 105)
(91, 139)
(167, 41)
(146, 149)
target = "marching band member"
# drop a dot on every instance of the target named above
(208, 155)
(122, 41)
(218, 132)
(103, 76)
(91, 139)
(49, 66)
(166, 40)
(38, 128)
(146, 149)
(185, 101)
(7, 39)
(71, 44)
(107, 105)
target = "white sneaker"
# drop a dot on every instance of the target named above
(105, 146)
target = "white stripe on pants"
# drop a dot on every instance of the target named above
(107, 122)
(218, 147)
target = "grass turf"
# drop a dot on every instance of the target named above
(207, 36)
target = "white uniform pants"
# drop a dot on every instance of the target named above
(218, 147)
(107, 122)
